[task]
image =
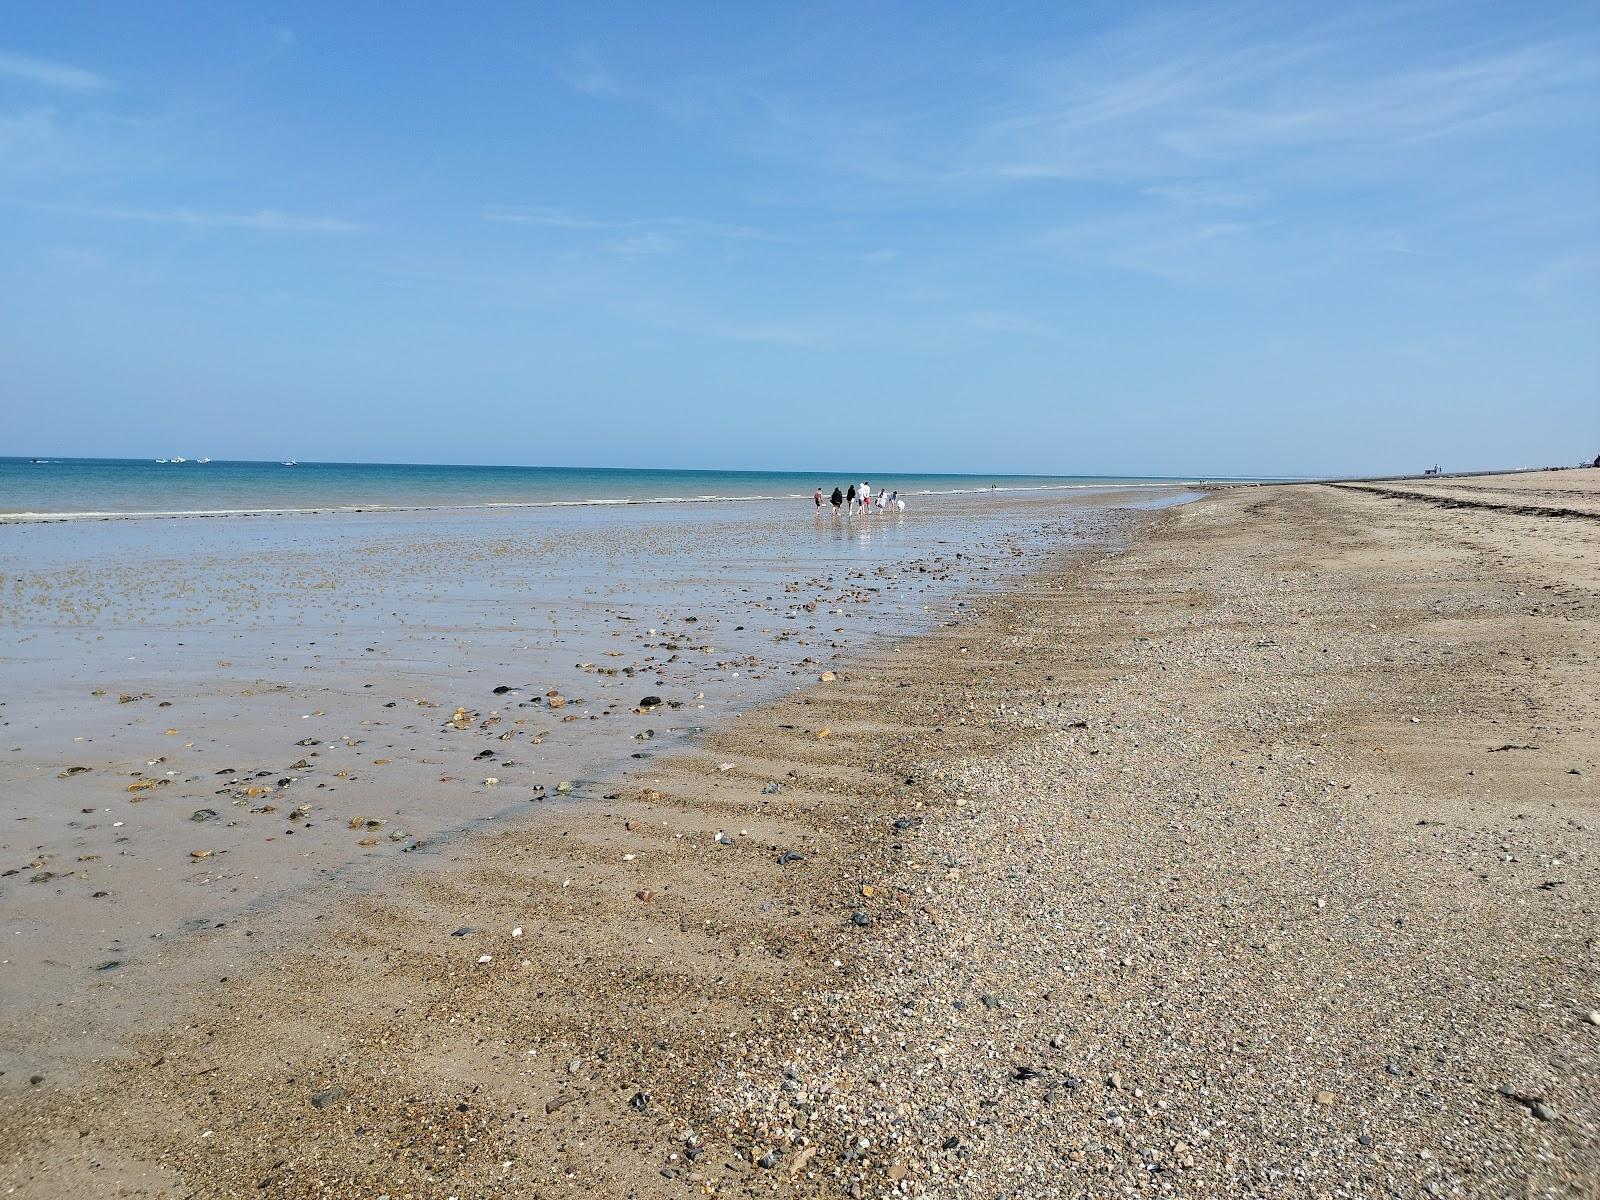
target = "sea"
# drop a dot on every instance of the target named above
(55, 489)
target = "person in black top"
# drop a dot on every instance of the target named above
(836, 499)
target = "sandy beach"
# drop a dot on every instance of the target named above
(1245, 847)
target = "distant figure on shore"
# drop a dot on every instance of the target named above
(866, 495)
(850, 498)
(817, 496)
(836, 499)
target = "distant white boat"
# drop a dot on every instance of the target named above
(202, 460)
(178, 460)
(291, 463)
(161, 460)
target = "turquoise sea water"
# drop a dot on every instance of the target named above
(65, 488)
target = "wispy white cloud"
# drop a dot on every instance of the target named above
(1187, 96)
(643, 245)
(637, 227)
(46, 73)
(1014, 323)
(582, 72)
(262, 220)
(1204, 193)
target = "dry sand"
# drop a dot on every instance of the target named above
(1259, 859)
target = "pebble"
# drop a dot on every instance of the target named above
(327, 1096)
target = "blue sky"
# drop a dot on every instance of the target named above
(1244, 238)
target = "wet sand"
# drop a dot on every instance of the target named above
(1257, 859)
(203, 718)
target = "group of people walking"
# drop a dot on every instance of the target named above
(863, 499)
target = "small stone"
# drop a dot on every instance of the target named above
(1542, 1111)
(556, 1102)
(639, 1102)
(768, 1160)
(771, 788)
(462, 932)
(203, 814)
(787, 857)
(1593, 1016)
(1327, 1099)
(861, 918)
(327, 1096)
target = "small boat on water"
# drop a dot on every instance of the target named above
(291, 463)
(202, 460)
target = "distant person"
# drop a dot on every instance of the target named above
(866, 495)
(817, 496)
(836, 500)
(850, 498)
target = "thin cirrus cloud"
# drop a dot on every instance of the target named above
(664, 228)
(263, 220)
(45, 73)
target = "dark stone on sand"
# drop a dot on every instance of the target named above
(787, 857)
(861, 918)
(327, 1096)
(650, 702)
(308, 742)
(639, 1102)
(36, 1080)
(110, 964)
(556, 1102)
(463, 931)
(484, 754)
(771, 788)
(768, 1160)
(501, 690)
(204, 814)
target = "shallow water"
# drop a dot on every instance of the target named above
(320, 659)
